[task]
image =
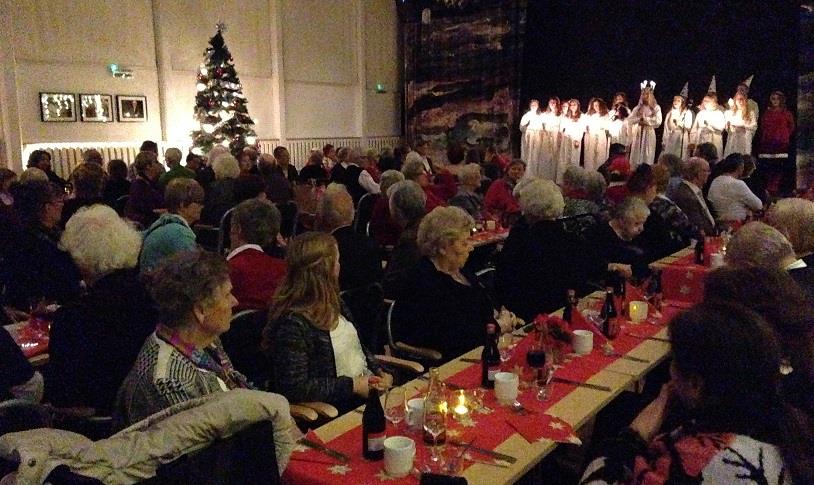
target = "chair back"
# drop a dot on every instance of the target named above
(365, 304)
(120, 204)
(364, 212)
(578, 224)
(242, 343)
(223, 231)
(207, 237)
(288, 217)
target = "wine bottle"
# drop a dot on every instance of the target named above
(610, 325)
(571, 302)
(490, 358)
(619, 291)
(699, 250)
(373, 427)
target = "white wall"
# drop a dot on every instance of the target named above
(308, 67)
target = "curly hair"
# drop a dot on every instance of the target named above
(794, 217)
(100, 241)
(184, 280)
(225, 167)
(310, 286)
(759, 244)
(441, 227)
(541, 200)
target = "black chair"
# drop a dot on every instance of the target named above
(365, 305)
(207, 237)
(288, 217)
(578, 224)
(364, 212)
(223, 231)
(401, 350)
(242, 344)
(120, 204)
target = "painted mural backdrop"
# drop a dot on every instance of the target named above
(805, 97)
(462, 74)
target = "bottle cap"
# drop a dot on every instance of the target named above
(490, 328)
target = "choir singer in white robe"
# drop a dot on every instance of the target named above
(596, 136)
(709, 124)
(643, 121)
(572, 126)
(677, 126)
(531, 148)
(741, 124)
(551, 139)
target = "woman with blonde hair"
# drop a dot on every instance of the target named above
(551, 138)
(709, 124)
(741, 125)
(643, 121)
(313, 346)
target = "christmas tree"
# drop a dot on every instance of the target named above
(220, 107)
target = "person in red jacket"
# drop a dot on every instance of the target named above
(413, 169)
(776, 129)
(254, 274)
(499, 201)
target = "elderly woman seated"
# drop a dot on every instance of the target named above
(383, 227)
(657, 238)
(443, 307)
(95, 340)
(415, 170)
(34, 266)
(172, 232)
(466, 198)
(724, 418)
(794, 217)
(680, 227)
(314, 348)
(407, 203)
(255, 275)
(182, 359)
(500, 201)
(221, 195)
(613, 242)
(575, 193)
(541, 260)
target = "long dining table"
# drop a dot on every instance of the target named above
(586, 385)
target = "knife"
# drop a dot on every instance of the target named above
(582, 384)
(324, 449)
(484, 451)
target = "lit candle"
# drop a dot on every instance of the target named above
(638, 311)
(461, 409)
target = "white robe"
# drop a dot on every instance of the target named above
(570, 143)
(551, 144)
(739, 133)
(676, 137)
(618, 130)
(531, 148)
(643, 138)
(708, 127)
(597, 142)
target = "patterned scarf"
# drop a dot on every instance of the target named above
(212, 358)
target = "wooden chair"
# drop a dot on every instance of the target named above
(401, 349)
(364, 211)
(223, 231)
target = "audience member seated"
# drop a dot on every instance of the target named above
(93, 156)
(95, 340)
(314, 349)
(248, 160)
(540, 260)
(756, 181)
(575, 193)
(87, 180)
(672, 164)
(369, 177)
(657, 238)
(329, 158)
(254, 274)
(499, 201)
(249, 186)
(360, 259)
(727, 421)
(117, 184)
(35, 267)
(172, 157)
(678, 224)
(7, 179)
(415, 171)
(33, 174)
(494, 163)
(407, 205)
(42, 160)
(613, 241)
(618, 173)
(383, 227)
(182, 359)
(314, 171)
(387, 160)
(776, 297)
(795, 219)
(708, 152)
(172, 232)
(729, 195)
(443, 308)
(283, 164)
(340, 165)
(455, 159)
(467, 198)
(18, 380)
(146, 197)
(689, 197)
(616, 150)
(221, 195)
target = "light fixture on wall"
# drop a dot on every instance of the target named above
(119, 72)
(380, 89)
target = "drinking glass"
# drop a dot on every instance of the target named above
(506, 344)
(435, 423)
(395, 405)
(542, 381)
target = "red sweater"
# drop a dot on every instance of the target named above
(499, 200)
(255, 276)
(776, 128)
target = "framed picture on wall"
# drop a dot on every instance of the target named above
(57, 107)
(96, 107)
(132, 108)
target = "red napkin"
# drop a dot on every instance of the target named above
(578, 322)
(684, 283)
(534, 427)
(306, 453)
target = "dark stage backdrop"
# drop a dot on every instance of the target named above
(805, 100)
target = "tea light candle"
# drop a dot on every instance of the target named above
(638, 311)
(461, 408)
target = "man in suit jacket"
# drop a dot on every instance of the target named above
(360, 262)
(689, 197)
(255, 275)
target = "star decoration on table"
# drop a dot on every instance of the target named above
(300, 448)
(556, 425)
(339, 469)
(685, 290)
(383, 476)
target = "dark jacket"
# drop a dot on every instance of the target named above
(315, 172)
(685, 199)
(145, 198)
(303, 362)
(73, 205)
(219, 199)
(16, 368)
(539, 263)
(609, 248)
(351, 181)
(115, 188)
(95, 341)
(440, 313)
(338, 174)
(360, 260)
(402, 260)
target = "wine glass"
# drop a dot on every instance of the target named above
(542, 380)
(505, 345)
(435, 424)
(394, 405)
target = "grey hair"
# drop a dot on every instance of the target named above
(100, 241)
(413, 168)
(469, 174)
(524, 182)
(173, 156)
(691, 167)
(630, 208)
(794, 217)
(541, 200)
(225, 167)
(335, 208)
(258, 220)
(390, 178)
(408, 201)
(574, 176)
(182, 192)
(595, 186)
(761, 245)
(441, 227)
(33, 174)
